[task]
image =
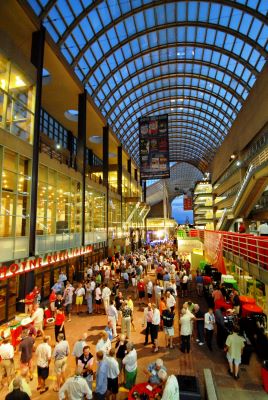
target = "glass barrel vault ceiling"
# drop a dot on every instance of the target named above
(195, 60)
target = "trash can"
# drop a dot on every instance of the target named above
(264, 374)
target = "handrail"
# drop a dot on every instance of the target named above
(251, 248)
(219, 223)
(260, 159)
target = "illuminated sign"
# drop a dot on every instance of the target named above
(31, 264)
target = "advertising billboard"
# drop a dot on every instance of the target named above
(154, 148)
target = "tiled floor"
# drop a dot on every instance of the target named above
(249, 386)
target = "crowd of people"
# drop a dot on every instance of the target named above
(157, 277)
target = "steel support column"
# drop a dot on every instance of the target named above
(37, 59)
(81, 154)
(105, 171)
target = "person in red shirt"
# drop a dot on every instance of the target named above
(59, 323)
(141, 291)
(29, 300)
(52, 299)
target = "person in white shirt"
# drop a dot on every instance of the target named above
(186, 329)
(98, 298)
(158, 293)
(76, 387)
(43, 357)
(209, 327)
(106, 293)
(113, 373)
(104, 344)
(113, 316)
(107, 275)
(80, 293)
(38, 318)
(263, 229)
(155, 327)
(184, 285)
(131, 366)
(171, 386)
(79, 345)
(7, 360)
(89, 272)
(170, 300)
(150, 287)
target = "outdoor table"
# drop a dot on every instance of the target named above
(142, 388)
(247, 300)
(248, 309)
(222, 303)
(231, 281)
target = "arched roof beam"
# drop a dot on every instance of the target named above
(174, 75)
(171, 135)
(185, 107)
(136, 136)
(177, 87)
(154, 4)
(162, 99)
(200, 128)
(220, 28)
(185, 121)
(206, 46)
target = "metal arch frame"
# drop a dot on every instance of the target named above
(150, 50)
(157, 28)
(199, 118)
(175, 75)
(174, 168)
(135, 139)
(204, 121)
(176, 113)
(174, 105)
(50, 4)
(151, 103)
(142, 8)
(190, 138)
(179, 135)
(212, 138)
(195, 125)
(177, 87)
(181, 157)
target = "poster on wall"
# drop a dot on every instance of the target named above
(154, 148)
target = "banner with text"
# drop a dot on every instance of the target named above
(154, 148)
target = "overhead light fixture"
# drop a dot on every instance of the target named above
(58, 146)
(233, 156)
(238, 163)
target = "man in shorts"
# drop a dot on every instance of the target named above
(60, 354)
(234, 346)
(38, 318)
(68, 301)
(168, 321)
(43, 357)
(80, 293)
(141, 291)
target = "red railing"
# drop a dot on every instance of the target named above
(251, 248)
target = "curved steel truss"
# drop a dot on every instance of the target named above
(196, 60)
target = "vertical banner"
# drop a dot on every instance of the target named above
(187, 203)
(154, 148)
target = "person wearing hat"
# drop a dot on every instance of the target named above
(152, 371)
(7, 360)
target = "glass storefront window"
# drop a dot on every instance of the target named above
(15, 194)
(59, 207)
(17, 101)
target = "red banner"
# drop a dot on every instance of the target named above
(187, 203)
